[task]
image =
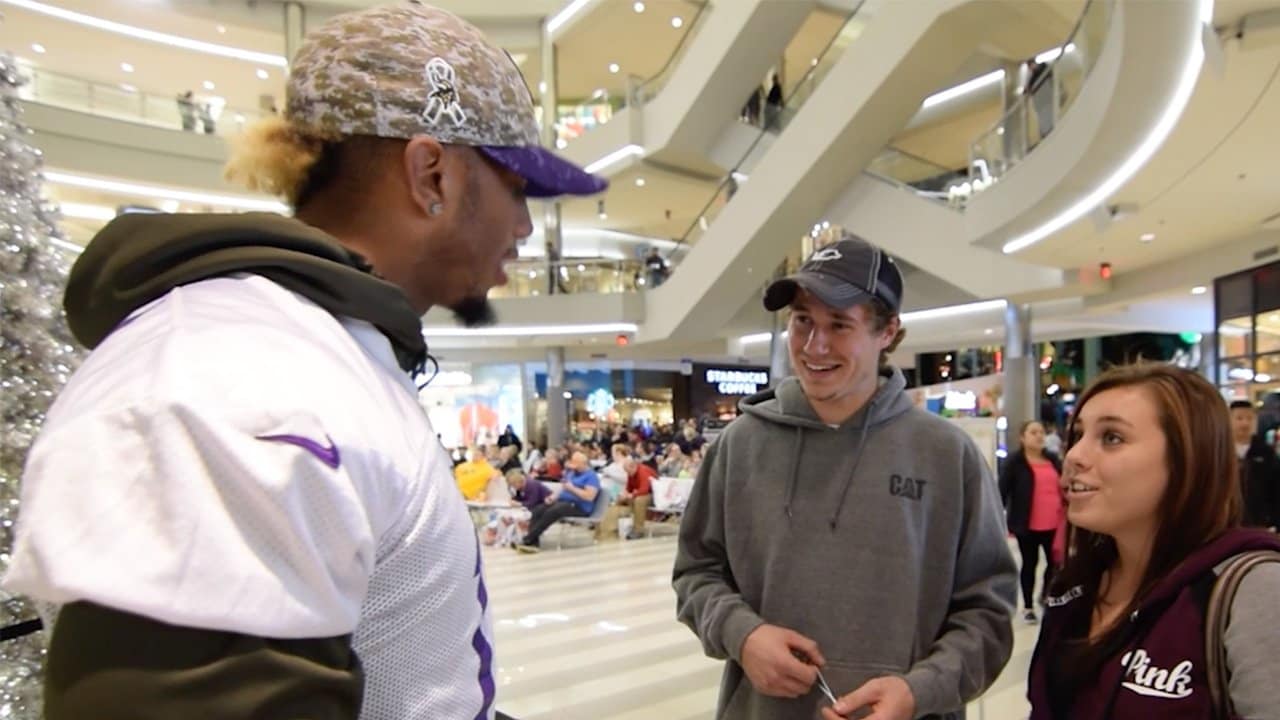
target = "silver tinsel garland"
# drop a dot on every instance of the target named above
(37, 355)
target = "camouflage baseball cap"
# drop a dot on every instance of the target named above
(411, 69)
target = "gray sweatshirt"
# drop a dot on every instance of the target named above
(882, 539)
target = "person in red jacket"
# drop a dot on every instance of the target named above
(1155, 512)
(639, 493)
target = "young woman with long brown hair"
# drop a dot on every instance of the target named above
(1154, 508)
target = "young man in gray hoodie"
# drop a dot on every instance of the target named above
(838, 535)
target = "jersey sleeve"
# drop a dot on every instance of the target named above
(233, 520)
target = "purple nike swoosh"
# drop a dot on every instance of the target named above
(327, 455)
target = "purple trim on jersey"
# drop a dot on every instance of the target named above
(488, 688)
(326, 454)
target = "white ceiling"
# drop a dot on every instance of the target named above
(1213, 180)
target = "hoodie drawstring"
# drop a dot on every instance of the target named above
(792, 481)
(857, 459)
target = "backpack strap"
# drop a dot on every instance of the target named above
(1217, 616)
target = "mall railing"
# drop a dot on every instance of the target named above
(774, 121)
(125, 102)
(627, 89)
(535, 276)
(915, 174)
(1033, 115)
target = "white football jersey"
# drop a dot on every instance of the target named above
(233, 457)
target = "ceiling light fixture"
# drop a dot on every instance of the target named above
(1156, 136)
(638, 7)
(126, 67)
(37, 48)
(128, 88)
(615, 157)
(1147, 237)
(68, 246)
(263, 74)
(85, 211)
(558, 20)
(561, 143)
(639, 182)
(953, 310)
(150, 35)
(208, 85)
(600, 210)
(677, 22)
(529, 330)
(614, 68)
(58, 177)
(1199, 290)
(222, 29)
(963, 88)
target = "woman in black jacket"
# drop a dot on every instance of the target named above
(1030, 486)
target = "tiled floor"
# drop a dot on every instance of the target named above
(589, 633)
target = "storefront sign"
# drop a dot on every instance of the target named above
(737, 382)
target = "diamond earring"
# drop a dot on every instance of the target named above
(435, 208)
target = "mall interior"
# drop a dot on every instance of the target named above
(1066, 185)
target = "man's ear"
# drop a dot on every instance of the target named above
(424, 171)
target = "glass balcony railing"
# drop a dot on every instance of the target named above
(535, 276)
(916, 174)
(125, 102)
(572, 120)
(775, 120)
(1054, 84)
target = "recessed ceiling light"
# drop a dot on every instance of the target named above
(638, 7)
(1199, 290)
(37, 48)
(222, 29)
(126, 67)
(813, 62)
(639, 182)
(614, 68)
(988, 331)
(1147, 237)
(677, 22)
(561, 143)
(128, 88)
(263, 74)
(208, 84)
(599, 93)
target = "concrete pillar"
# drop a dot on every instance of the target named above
(295, 28)
(557, 406)
(549, 97)
(1092, 357)
(1021, 398)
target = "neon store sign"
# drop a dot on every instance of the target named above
(738, 382)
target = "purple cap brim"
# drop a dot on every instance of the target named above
(547, 174)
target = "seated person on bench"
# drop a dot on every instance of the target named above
(577, 498)
(639, 494)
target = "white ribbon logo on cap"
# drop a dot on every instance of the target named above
(443, 97)
(826, 254)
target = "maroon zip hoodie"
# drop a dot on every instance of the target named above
(1160, 670)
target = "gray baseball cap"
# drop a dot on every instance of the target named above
(412, 69)
(842, 274)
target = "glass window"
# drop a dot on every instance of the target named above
(1266, 288)
(1235, 370)
(1235, 391)
(1235, 337)
(1267, 332)
(1267, 368)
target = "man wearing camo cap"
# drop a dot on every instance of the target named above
(237, 507)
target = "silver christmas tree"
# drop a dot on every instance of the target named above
(37, 355)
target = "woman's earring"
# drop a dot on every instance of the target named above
(435, 208)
